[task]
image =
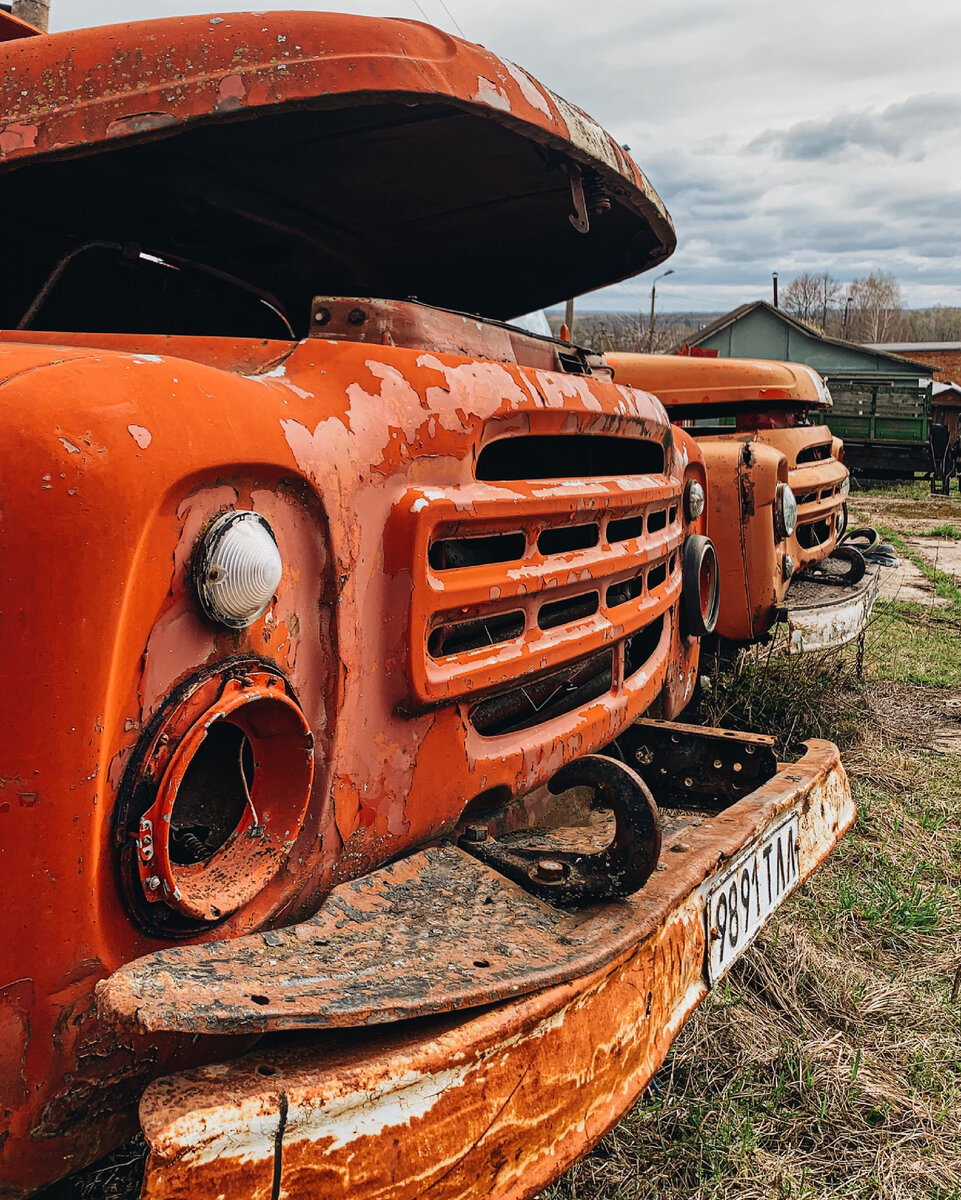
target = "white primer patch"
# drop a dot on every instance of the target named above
(248, 1134)
(492, 94)
(68, 445)
(530, 91)
(143, 437)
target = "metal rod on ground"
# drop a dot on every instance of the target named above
(34, 12)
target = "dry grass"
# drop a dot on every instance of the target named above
(829, 1062)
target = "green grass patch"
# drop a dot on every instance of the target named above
(912, 643)
(940, 531)
(793, 697)
(903, 489)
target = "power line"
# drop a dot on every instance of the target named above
(454, 19)
(450, 15)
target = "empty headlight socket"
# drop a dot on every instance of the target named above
(214, 799)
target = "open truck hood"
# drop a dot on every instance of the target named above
(312, 153)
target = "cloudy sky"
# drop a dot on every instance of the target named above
(812, 135)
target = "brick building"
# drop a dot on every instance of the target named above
(944, 357)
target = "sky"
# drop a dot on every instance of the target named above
(815, 135)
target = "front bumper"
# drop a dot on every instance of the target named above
(490, 1100)
(820, 616)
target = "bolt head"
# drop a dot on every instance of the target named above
(549, 870)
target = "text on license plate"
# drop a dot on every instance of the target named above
(743, 896)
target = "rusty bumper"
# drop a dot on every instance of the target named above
(494, 1101)
(820, 616)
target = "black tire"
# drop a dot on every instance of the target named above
(701, 596)
(865, 540)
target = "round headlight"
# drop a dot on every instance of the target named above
(238, 569)
(785, 511)
(693, 500)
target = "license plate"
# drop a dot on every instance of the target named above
(743, 896)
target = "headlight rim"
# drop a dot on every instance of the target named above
(209, 544)
(695, 500)
(785, 511)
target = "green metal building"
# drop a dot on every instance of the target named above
(882, 402)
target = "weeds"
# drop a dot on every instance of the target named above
(914, 644)
(940, 531)
(793, 697)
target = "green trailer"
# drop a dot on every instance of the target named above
(884, 423)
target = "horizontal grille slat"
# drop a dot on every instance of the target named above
(480, 626)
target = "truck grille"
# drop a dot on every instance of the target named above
(539, 590)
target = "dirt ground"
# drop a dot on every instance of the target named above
(910, 518)
(906, 583)
(906, 514)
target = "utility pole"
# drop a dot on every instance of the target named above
(774, 279)
(569, 318)
(844, 323)
(34, 12)
(650, 327)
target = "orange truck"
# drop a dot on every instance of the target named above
(330, 840)
(776, 496)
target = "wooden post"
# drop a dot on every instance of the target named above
(34, 12)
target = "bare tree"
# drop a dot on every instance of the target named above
(811, 297)
(877, 308)
(829, 290)
(941, 323)
(801, 298)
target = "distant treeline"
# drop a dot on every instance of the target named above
(863, 311)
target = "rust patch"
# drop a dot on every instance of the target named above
(140, 123)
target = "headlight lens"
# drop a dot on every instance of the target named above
(238, 569)
(693, 500)
(785, 511)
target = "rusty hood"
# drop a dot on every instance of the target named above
(694, 386)
(310, 153)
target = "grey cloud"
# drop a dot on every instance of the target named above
(899, 131)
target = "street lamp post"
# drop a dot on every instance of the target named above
(650, 327)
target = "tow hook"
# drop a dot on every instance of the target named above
(570, 878)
